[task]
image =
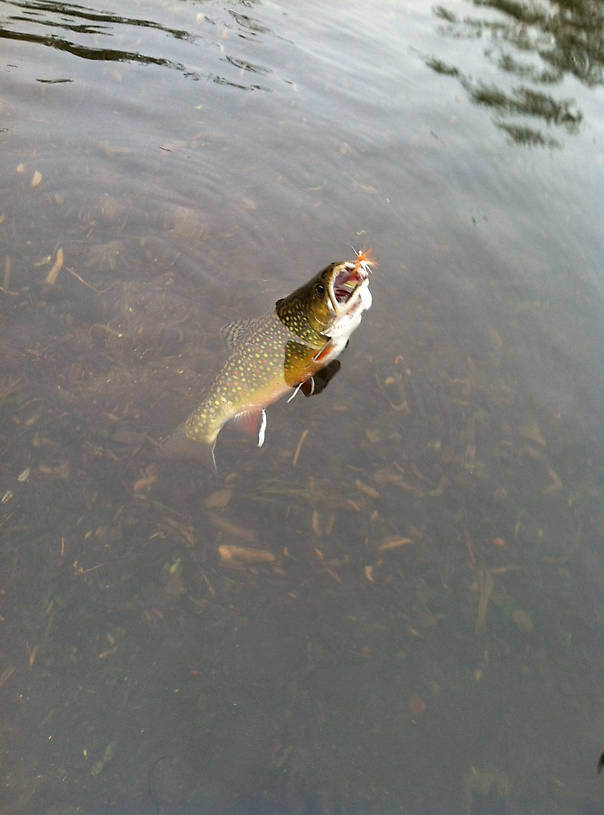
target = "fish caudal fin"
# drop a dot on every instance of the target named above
(253, 422)
(180, 446)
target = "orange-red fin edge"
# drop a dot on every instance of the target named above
(324, 352)
(253, 422)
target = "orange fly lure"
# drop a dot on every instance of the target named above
(364, 256)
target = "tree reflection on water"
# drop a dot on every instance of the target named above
(536, 43)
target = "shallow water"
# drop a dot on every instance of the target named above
(425, 634)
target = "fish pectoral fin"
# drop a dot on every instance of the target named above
(253, 422)
(324, 352)
(308, 387)
(317, 383)
(295, 393)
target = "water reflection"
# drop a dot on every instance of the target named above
(250, 25)
(105, 54)
(91, 15)
(540, 45)
(93, 35)
(97, 25)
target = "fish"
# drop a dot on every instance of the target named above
(291, 348)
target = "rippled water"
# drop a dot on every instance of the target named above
(424, 634)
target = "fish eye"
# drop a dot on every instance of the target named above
(320, 289)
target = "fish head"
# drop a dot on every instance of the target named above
(333, 301)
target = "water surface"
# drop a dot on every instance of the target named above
(427, 638)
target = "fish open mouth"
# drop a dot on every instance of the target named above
(345, 284)
(348, 280)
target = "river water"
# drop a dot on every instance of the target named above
(421, 628)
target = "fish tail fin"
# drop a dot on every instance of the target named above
(179, 446)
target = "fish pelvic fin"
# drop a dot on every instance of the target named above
(179, 446)
(253, 422)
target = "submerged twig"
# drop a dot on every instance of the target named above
(299, 447)
(85, 283)
(51, 277)
(485, 586)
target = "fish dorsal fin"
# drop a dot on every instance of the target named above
(234, 332)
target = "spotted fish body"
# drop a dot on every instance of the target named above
(275, 354)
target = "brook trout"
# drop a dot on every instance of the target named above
(292, 347)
